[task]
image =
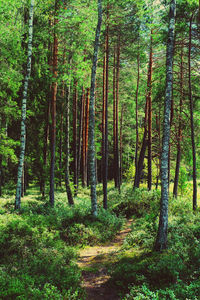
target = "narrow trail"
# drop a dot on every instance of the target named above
(94, 260)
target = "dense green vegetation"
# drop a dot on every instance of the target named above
(102, 97)
(39, 246)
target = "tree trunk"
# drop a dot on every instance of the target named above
(23, 116)
(161, 240)
(105, 150)
(178, 158)
(121, 145)
(149, 87)
(103, 117)
(92, 159)
(117, 113)
(142, 151)
(46, 136)
(75, 96)
(84, 178)
(61, 141)
(67, 181)
(53, 108)
(80, 140)
(136, 112)
(86, 134)
(192, 119)
(114, 118)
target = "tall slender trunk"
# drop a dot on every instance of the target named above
(179, 137)
(23, 116)
(80, 140)
(84, 180)
(117, 114)
(92, 159)
(114, 117)
(136, 113)
(103, 117)
(61, 139)
(171, 121)
(159, 150)
(46, 136)
(121, 145)
(149, 88)
(105, 152)
(161, 240)
(75, 96)
(22, 188)
(53, 108)
(67, 181)
(192, 119)
(142, 151)
(86, 133)
(47, 118)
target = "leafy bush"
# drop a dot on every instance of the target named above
(172, 274)
(135, 202)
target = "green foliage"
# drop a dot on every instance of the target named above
(183, 178)
(129, 202)
(37, 247)
(172, 274)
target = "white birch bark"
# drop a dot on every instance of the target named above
(161, 241)
(23, 115)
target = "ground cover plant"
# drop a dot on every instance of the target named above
(171, 274)
(39, 246)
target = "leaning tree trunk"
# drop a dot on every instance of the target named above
(23, 119)
(161, 240)
(192, 120)
(92, 153)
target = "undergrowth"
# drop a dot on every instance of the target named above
(172, 274)
(39, 246)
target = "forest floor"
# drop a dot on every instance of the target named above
(95, 263)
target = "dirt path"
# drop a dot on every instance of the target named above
(94, 260)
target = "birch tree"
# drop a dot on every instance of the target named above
(23, 114)
(161, 241)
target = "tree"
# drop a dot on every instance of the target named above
(191, 118)
(23, 116)
(53, 107)
(92, 159)
(161, 240)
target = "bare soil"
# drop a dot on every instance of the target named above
(94, 263)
